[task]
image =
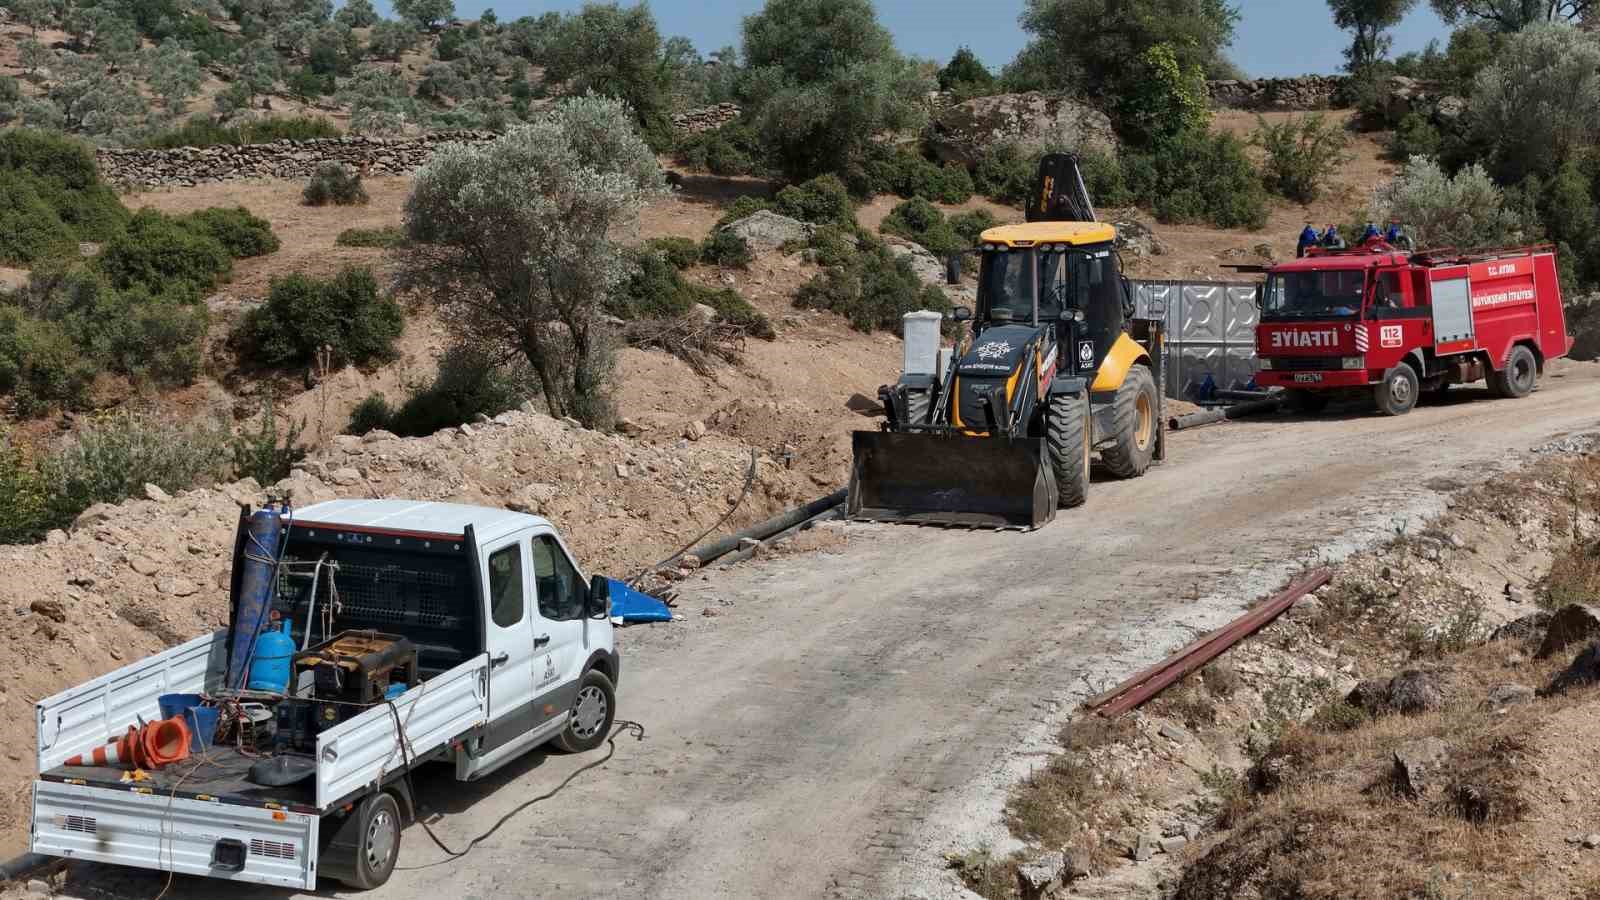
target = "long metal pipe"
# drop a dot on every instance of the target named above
(738, 556)
(1157, 678)
(1208, 416)
(711, 550)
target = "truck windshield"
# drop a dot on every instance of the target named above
(1006, 285)
(1301, 295)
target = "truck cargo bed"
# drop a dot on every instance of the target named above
(222, 774)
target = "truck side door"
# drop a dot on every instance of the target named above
(559, 651)
(508, 592)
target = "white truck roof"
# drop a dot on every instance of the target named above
(487, 522)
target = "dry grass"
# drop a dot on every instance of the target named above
(1324, 820)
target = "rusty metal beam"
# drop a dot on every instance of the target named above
(1157, 678)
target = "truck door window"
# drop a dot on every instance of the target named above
(1052, 286)
(505, 586)
(1387, 293)
(560, 588)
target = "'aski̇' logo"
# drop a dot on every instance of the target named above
(994, 350)
(1086, 353)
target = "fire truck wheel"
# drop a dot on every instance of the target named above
(1519, 376)
(1303, 401)
(1397, 394)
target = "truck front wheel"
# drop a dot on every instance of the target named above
(1067, 441)
(593, 710)
(1519, 377)
(365, 847)
(1136, 426)
(1397, 393)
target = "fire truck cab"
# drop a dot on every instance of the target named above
(1397, 324)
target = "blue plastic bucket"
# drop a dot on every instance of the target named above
(175, 704)
(202, 720)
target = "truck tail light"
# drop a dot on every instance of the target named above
(1355, 362)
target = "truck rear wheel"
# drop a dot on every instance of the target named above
(592, 713)
(364, 849)
(1067, 437)
(1519, 377)
(1397, 393)
(1134, 421)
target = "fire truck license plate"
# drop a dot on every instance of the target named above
(1307, 378)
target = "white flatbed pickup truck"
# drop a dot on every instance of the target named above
(514, 649)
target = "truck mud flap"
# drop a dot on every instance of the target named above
(152, 830)
(931, 479)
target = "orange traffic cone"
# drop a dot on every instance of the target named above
(164, 742)
(117, 753)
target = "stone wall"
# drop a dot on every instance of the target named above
(279, 159)
(1308, 92)
(709, 119)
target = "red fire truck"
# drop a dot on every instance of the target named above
(1397, 324)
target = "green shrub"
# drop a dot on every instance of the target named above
(679, 252)
(733, 309)
(262, 453)
(469, 382)
(371, 414)
(114, 456)
(1199, 177)
(243, 234)
(1005, 174)
(303, 314)
(51, 196)
(733, 149)
(724, 248)
(24, 496)
(970, 226)
(1414, 136)
(1102, 176)
(334, 183)
(655, 290)
(203, 132)
(822, 199)
(40, 365)
(160, 255)
(872, 292)
(906, 173)
(387, 237)
(919, 221)
(834, 245)
(1301, 154)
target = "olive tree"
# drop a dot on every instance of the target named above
(516, 241)
(357, 14)
(1539, 100)
(1512, 15)
(615, 52)
(1368, 22)
(823, 78)
(378, 101)
(173, 74)
(1467, 211)
(429, 14)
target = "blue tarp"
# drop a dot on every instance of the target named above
(628, 606)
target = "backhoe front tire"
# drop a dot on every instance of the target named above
(1135, 425)
(1067, 436)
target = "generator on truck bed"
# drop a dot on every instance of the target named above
(1057, 366)
(1398, 324)
(436, 632)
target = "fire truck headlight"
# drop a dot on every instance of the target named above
(1355, 362)
(1266, 364)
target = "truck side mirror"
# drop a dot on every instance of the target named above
(961, 314)
(598, 605)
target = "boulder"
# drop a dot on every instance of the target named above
(923, 262)
(1371, 695)
(1417, 766)
(1136, 239)
(1507, 693)
(1032, 121)
(1040, 877)
(766, 230)
(1525, 628)
(1585, 669)
(1415, 691)
(1572, 624)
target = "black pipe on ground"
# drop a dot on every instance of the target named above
(739, 556)
(782, 522)
(1236, 411)
(1244, 395)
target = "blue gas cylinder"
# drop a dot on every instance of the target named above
(269, 671)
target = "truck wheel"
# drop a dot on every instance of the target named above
(1067, 437)
(1397, 393)
(370, 837)
(1135, 424)
(592, 712)
(1519, 377)
(1300, 400)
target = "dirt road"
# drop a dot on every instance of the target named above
(845, 717)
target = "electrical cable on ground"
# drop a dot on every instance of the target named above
(749, 479)
(620, 725)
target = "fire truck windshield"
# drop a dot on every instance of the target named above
(1313, 294)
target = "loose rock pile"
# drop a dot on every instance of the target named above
(1308, 92)
(708, 119)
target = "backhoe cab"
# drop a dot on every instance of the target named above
(1056, 366)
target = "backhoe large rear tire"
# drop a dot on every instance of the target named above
(1067, 436)
(1134, 425)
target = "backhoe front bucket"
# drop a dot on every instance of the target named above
(936, 479)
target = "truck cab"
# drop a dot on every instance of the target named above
(506, 647)
(1397, 324)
